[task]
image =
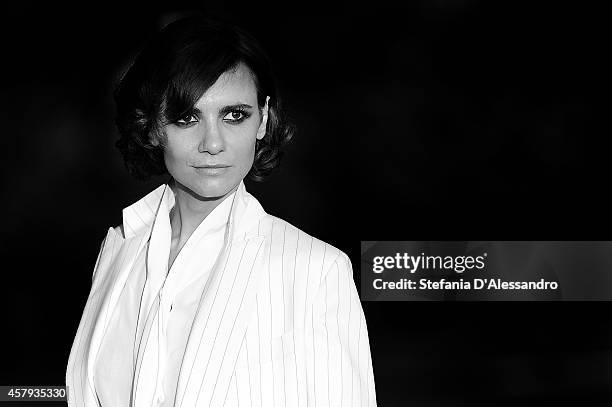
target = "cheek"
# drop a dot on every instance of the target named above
(245, 153)
(240, 142)
(175, 154)
(169, 156)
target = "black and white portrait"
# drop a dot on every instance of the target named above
(186, 188)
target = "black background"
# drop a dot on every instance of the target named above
(439, 119)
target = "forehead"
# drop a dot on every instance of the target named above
(232, 87)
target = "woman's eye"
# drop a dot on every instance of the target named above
(187, 120)
(235, 116)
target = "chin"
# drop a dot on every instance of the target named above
(212, 187)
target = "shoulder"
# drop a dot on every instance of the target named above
(287, 239)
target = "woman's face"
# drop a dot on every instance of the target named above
(212, 150)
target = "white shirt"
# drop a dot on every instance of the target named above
(143, 347)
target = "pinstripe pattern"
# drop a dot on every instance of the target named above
(279, 322)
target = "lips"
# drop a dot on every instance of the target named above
(212, 166)
(212, 170)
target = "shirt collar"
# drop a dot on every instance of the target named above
(139, 217)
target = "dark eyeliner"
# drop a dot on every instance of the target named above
(242, 109)
(193, 114)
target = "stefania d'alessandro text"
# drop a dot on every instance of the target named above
(461, 284)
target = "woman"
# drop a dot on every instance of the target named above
(200, 298)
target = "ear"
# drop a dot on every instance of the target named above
(261, 132)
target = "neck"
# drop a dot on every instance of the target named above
(189, 211)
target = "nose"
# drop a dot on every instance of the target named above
(211, 140)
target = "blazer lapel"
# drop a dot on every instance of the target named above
(224, 309)
(109, 290)
(113, 270)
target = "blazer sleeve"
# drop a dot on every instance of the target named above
(342, 372)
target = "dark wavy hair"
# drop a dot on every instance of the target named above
(169, 76)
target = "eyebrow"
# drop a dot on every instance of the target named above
(227, 109)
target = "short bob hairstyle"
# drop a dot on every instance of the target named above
(169, 76)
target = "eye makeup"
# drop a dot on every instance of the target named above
(232, 114)
(235, 114)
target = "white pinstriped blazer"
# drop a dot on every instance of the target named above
(279, 321)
